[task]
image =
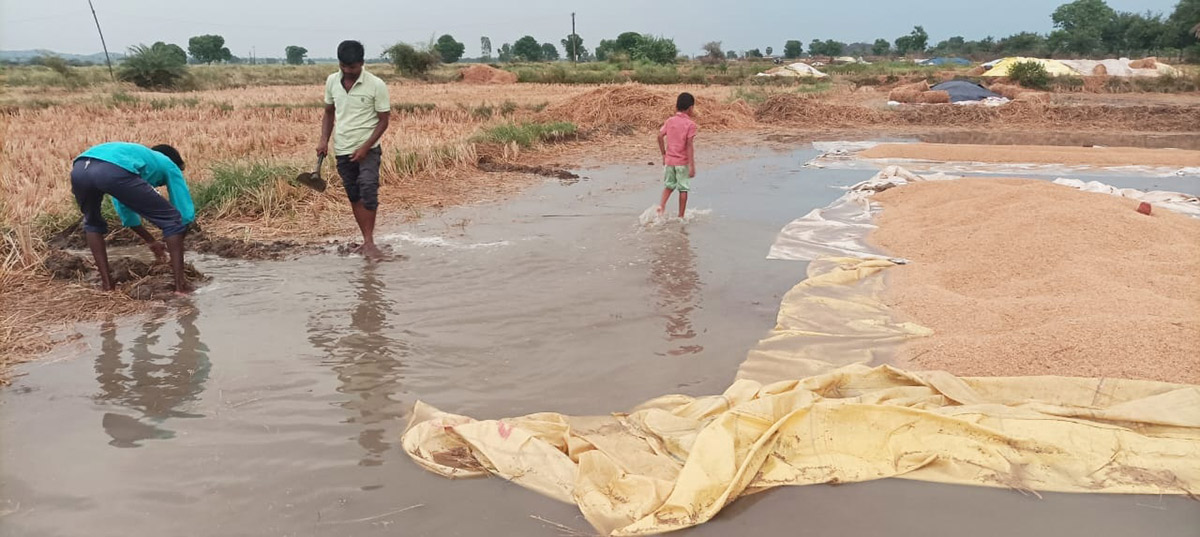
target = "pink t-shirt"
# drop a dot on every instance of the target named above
(679, 129)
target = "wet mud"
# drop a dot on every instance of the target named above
(274, 403)
(137, 278)
(196, 240)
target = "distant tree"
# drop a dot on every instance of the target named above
(208, 49)
(54, 63)
(754, 53)
(915, 42)
(1183, 28)
(573, 47)
(629, 43)
(655, 49)
(770, 51)
(295, 55)
(1084, 27)
(173, 49)
(505, 53)
(828, 48)
(153, 68)
(793, 49)
(449, 49)
(858, 48)
(549, 52)
(527, 49)
(881, 47)
(411, 61)
(605, 49)
(731, 55)
(1022, 44)
(712, 53)
(1030, 74)
(485, 46)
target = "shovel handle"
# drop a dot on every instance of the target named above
(320, 159)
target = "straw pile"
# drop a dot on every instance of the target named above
(1099, 70)
(634, 105)
(904, 95)
(977, 70)
(486, 74)
(1034, 97)
(916, 86)
(934, 97)
(1009, 91)
(1147, 63)
(790, 109)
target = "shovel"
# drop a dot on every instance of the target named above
(313, 179)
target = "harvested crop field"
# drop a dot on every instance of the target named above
(1021, 277)
(1036, 154)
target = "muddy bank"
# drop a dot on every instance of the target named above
(1020, 277)
(196, 240)
(135, 278)
(1033, 154)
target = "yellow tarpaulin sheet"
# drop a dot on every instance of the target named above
(675, 461)
(1054, 67)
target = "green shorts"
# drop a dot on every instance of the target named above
(676, 178)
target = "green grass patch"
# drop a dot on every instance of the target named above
(414, 108)
(162, 104)
(243, 188)
(121, 99)
(292, 106)
(526, 134)
(409, 162)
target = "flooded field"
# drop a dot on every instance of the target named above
(274, 405)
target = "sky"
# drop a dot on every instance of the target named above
(267, 26)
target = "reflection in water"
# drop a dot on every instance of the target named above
(155, 385)
(673, 271)
(367, 362)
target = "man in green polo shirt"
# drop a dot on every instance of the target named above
(356, 103)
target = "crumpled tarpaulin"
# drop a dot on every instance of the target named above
(841, 228)
(676, 461)
(1173, 201)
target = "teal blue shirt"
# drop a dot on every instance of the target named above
(154, 168)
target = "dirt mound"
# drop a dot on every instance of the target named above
(142, 280)
(240, 249)
(486, 74)
(1147, 63)
(545, 171)
(789, 109)
(63, 266)
(73, 238)
(634, 104)
(1009, 91)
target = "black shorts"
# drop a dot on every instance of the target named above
(91, 179)
(361, 179)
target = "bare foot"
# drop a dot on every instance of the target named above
(369, 251)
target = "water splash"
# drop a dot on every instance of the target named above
(650, 218)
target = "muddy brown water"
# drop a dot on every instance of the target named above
(274, 404)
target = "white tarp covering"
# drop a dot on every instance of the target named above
(797, 69)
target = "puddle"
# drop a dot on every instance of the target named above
(276, 404)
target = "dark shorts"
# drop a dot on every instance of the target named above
(91, 179)
(361, 178)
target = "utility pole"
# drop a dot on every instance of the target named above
(574, 40)
(102, 43)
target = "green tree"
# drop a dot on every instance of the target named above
(793, 49)
(770, 51)
(1022, 44)
(1084, 27)
(573, 47)
(915, 42)
(505, 53)
(173, 49)
(731, 55)
(208, 49)
(754, 53)
(295, 54)
(153, 68)
(549, 52)
(605, 49)
(1031, 74)
(449, 49)
(828, 47)
(411, 61)
(485, 47)
(1183, 28)
(527, 49)
(629, 43)
(881, 47)
(656, 50)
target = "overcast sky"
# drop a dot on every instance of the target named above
(270, 25)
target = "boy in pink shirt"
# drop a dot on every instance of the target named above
(676, 143)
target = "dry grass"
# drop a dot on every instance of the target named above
(641, 107)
